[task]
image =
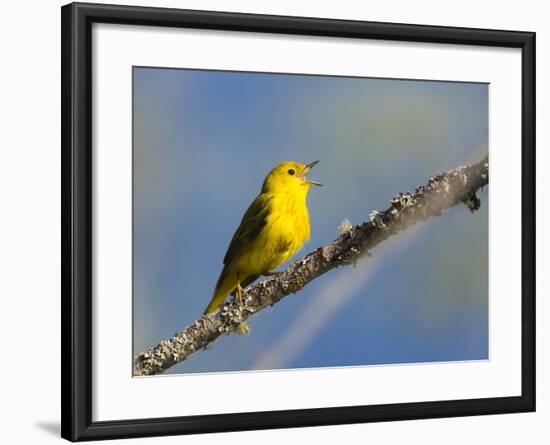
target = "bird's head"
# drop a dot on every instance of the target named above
(289, 176)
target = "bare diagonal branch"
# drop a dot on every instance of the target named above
(440, 193)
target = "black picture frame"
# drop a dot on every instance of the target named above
(76, 247)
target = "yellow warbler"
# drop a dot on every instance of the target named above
(272, 230)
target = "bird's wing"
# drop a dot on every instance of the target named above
(254, 220)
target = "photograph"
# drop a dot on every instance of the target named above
(281, 221)
(237, 176)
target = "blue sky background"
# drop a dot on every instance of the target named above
(203, 143)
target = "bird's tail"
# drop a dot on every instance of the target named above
(224, 286)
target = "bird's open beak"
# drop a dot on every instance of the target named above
(307, 169)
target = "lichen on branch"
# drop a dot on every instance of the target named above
(442, 192)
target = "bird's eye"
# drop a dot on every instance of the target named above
(291, 171)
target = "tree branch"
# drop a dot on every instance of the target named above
(442, 192)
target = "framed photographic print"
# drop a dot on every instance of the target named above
(278, 221)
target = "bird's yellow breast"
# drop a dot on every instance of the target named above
(286, 230)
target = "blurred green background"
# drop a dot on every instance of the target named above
(203, 143)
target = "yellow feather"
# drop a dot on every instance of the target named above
(273, 229)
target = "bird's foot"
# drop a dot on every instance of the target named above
(243, 328)
(240, 292)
